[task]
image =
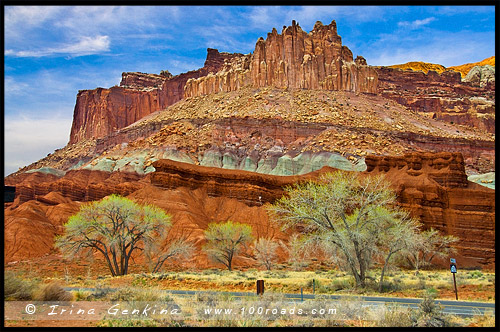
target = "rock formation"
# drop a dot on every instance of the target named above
(293, 59)
(465, 68)
(433, 187)
(100, 112)
(297, 103)
(440, 96)
(481, 76)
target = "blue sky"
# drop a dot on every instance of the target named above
(52, 52)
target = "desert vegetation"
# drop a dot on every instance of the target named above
(116, 227)
(367, 246)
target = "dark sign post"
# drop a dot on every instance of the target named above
(260, 287)
(453, 269)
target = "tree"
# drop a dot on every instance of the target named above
(265, 251)
(429, 245)
(345, 209)
(116, 227)
(400, 233)
(157, 254)
(166, 74)
(299, 249)
(224, 241)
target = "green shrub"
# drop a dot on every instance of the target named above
(388, 286)
(340, 284)
(127, 323)
(429, 314)
(476, 274)
(80, 295)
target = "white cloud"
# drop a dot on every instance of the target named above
(416, 24)
(13, 87)
(86, 46)
(27, 140)
(20, 18)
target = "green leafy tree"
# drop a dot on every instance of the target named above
(166, 73)
(225, 241)
(116, 227)
(345, 209)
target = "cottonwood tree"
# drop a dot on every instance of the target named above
(225, 240)
(114, 226)
(157, 253)
(400, 233)
(429, 244)
(345, 209)
(299, 249)
(265, 251)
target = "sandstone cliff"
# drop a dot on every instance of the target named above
(433, 187)
(293, 59)
(100, 112)
(440, 96)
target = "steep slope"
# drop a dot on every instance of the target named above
(425, 66)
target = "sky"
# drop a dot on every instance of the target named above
(51, 52)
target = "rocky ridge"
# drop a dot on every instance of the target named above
(100, 112)
(252, 129)
(465, 68)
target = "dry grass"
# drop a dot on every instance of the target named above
(53, 292)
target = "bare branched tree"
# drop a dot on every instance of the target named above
(429, 244)
(265, 251)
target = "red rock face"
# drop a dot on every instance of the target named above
(142, 80)
(293, 59)
(440, 96)
(100, 112)
(433, 187)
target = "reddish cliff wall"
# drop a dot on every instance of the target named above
(433, 187)
(440, 96)
(100, 112)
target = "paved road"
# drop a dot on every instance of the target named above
(459, 308)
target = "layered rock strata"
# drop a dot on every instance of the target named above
(293, 59)
(440, 96)
(433, 187)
